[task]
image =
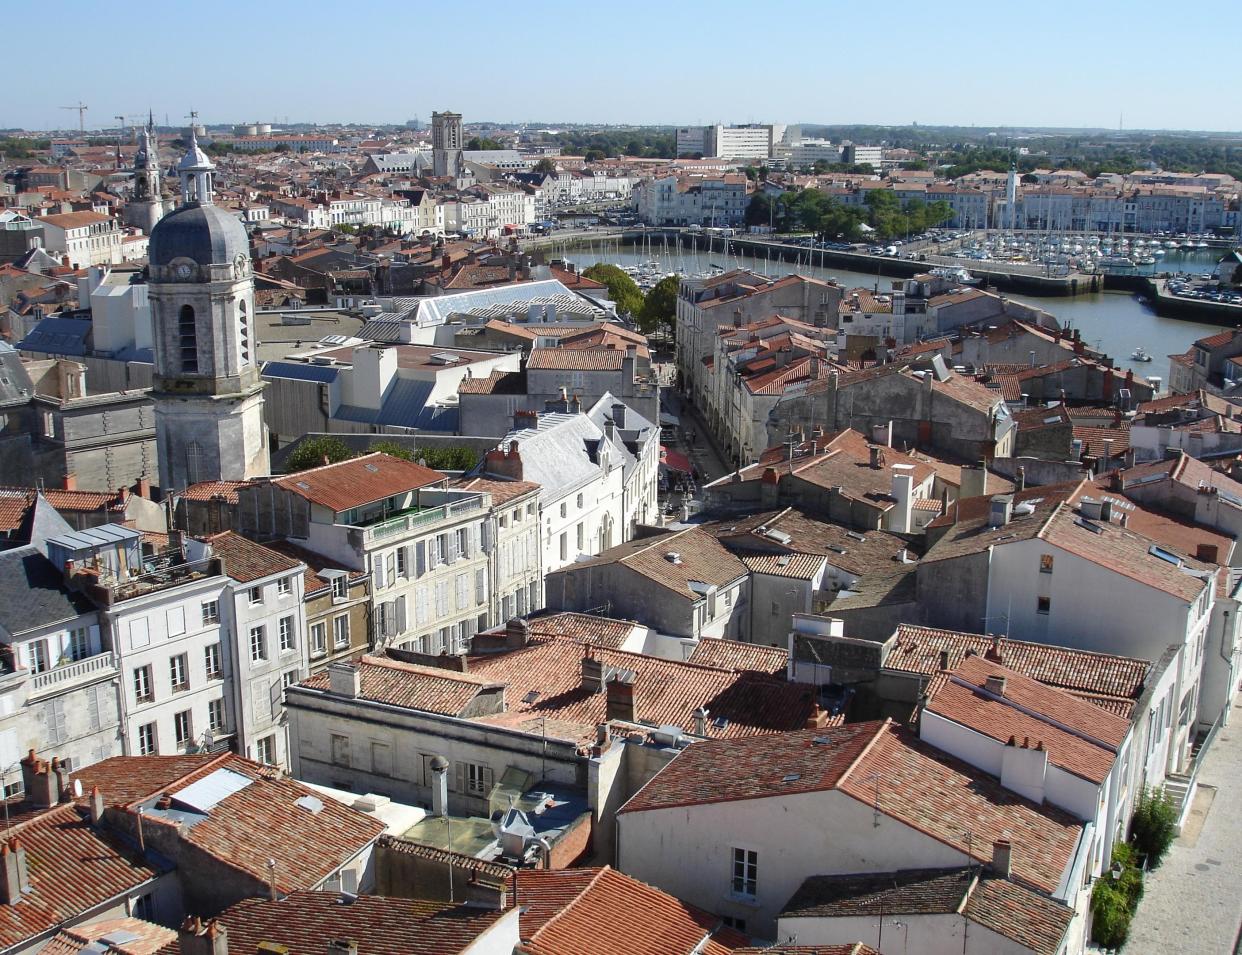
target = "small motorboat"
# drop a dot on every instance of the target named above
(1140, 354)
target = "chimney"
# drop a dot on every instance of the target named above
(71, 482)
(700, 721)
(592, 673)
(143, 488)
(505, 463)
(618, 414)
(345, 679)
(96, 806)
(620, 690)
(882, 434)
(39, 782)
(199, 938)
(60, 776)
(995, 684)
(342, 946)
(974, 481)
(877, 456)
(1000, 510)
(517, 633)
(993, 652)
(439, 786)
(1206, 553)
(1020, 483)
(1002, 858)
(13, 871)
(528, 419)
(944, 660)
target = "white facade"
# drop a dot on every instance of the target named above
(84, 238)
(487, 212)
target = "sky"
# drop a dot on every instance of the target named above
(1001, 63)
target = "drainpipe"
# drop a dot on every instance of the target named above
(1224, 631)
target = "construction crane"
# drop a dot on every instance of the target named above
(81, 108)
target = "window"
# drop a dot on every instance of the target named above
(258, 645)
(745, 872)
(182, 729)
(340, 587)
(143, 688)
(381, 759)
(319, 638)
(1043, 604)
(473, 778)
(38, 655)
(265, 750)
(215, 715)
(211, 611)
(179, 672)
(734, 923)
(211, 657)
(147, 743)
(256, 595)
(581, 537)
(564, 509)
(189, 339)
(1045, 563)
(79, 643)
(340, 631)
(463, 541)
(564, 546)
(284, 586)
(340, 750)
(580, 500)
(401, 564)
(287, 641)
(288, 679)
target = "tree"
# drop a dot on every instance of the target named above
(594, 155)
(622, 289)
(314, 452)
(545, 167)
(451, 458)
(478, 143)
(759, 210)
(659, 307)
(345, 228)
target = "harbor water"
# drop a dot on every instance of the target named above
(1116, 322)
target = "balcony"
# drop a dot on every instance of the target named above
(416, 517)
(58, 679)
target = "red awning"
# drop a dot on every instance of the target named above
(675, 461)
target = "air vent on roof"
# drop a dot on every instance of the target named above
(1165, 555)
(673, 557)
(444, 358)
(854, 535)
(372, 468)
(836, 549)
(1088, 526)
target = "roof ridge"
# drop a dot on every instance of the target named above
(323, 467)
(216, 761)
(880, 731)
(423, 670)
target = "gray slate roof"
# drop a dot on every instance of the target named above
(33, 593)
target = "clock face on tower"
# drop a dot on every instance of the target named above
(184, 270)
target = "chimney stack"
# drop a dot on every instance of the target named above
(700, 721)
(13, 872)
(439, 786)
(342, 946)
(1002, 858)
(620, 690)
(995, 685)
(345, 679)
(96, 806)
(39, 782)
(203, 938)
(944, 660)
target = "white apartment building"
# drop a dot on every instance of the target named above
(692, 200)
(750, 141)
(485, 211)
(84, 238)
(513, 525)
(862, 155)
(424, 544)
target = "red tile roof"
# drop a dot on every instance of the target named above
(575, 359)
(733, 655)
(304, 922)
(673, 560)
(74, 868)
(502, 492)
(361, 480)
(143, 938)
(244, 560)
(1076, 735)
(210, 490)
(433, 689)
(1100, 678)
(602, 912)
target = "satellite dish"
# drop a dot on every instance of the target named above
(77, 788)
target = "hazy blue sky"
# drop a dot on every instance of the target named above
(1055, 63)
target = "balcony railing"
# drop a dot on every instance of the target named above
(421, 517)
(69, 673)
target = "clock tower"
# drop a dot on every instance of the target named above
(208, 394)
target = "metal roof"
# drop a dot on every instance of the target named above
(300, 371)
(204, 794)
(93, 537)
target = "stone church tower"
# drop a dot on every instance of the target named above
(147, 205)
(446, 143)
(208, 394)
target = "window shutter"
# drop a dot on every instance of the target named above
(95, 708)
(459, 774)
(392, 570)
(420, 605)
(479, 586)
(390, 618)
(485, 536)
(487, 779)
(274, 693)
(420, 556)
(401, 614)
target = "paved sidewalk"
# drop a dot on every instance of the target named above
(1192, 904)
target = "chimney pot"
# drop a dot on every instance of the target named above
(96, 806)
(439, 786)
(199, 938)
(1002, 858)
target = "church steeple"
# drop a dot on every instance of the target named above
(197, 174)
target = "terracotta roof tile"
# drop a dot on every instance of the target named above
(244, 560)
(210, 490)
(575, 359)
(699, 559)
(734, 655)
(361, 480)
(502, 492)
(602, 911)
(432, 689)
(142, 938)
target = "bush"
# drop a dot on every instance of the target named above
(1115, 898)
(311, 453)
(452, 458)
(1152, 829)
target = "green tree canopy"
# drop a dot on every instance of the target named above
(545, 167)
(660, 306)
(483, 143)
(450, 458)
(314, 452)
(621, 288)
